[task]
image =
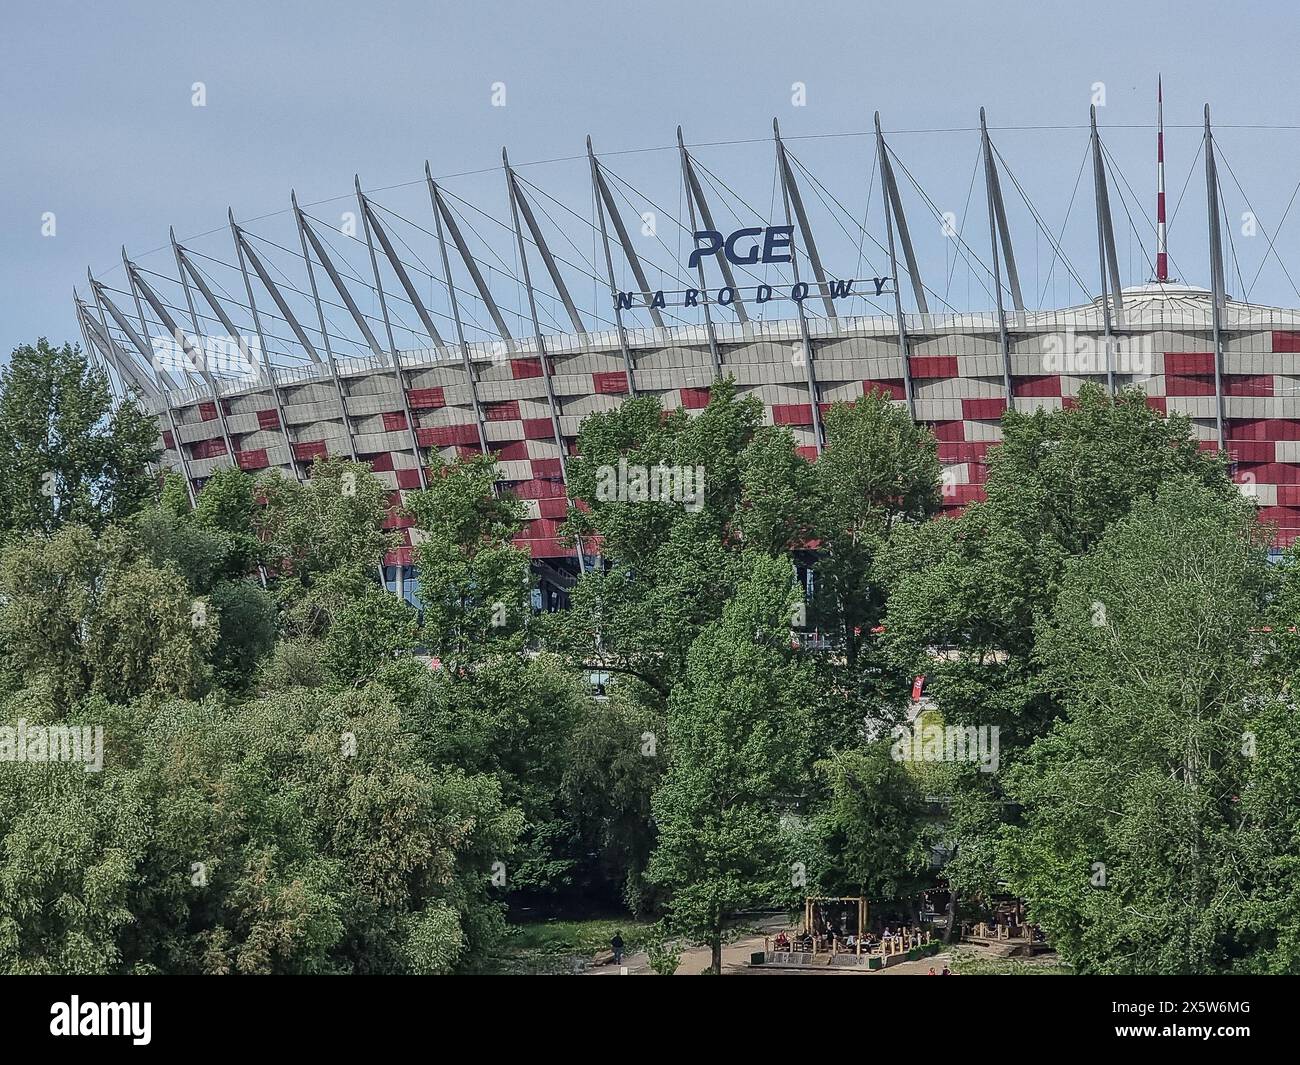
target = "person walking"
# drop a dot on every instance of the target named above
(617, 944)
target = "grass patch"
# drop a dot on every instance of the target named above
(558, 947)
(970, 964)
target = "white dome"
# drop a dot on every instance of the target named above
(1166, 290)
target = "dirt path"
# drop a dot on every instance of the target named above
(735, 956)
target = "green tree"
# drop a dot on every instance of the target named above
(65, 455)
(297, 834)
(873, 835)
(1129, 852)
(246, 632)
(294, 662)
(174, 497)
(227, 506)
(670, 568)
(1266, 922)
(89, 614)
(511, 718)
(204, 556)
(372, 628)
(878, 472)
(1055, 483)
(615, 758)
(976, 585)
(738, 727)
(69, 857)
(474, 583)
(323, 540)
(227, 501)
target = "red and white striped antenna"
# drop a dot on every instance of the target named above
(1162, 252)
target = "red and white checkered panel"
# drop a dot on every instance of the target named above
(958, 390)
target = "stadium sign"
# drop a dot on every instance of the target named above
(776, 243)
(749, 247)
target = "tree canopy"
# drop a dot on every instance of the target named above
(303, 773)
(67, 454)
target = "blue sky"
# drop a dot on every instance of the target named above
(98, 127)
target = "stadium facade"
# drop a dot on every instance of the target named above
(1231, 366)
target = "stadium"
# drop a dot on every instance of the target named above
(423, 322)
(567, 491)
